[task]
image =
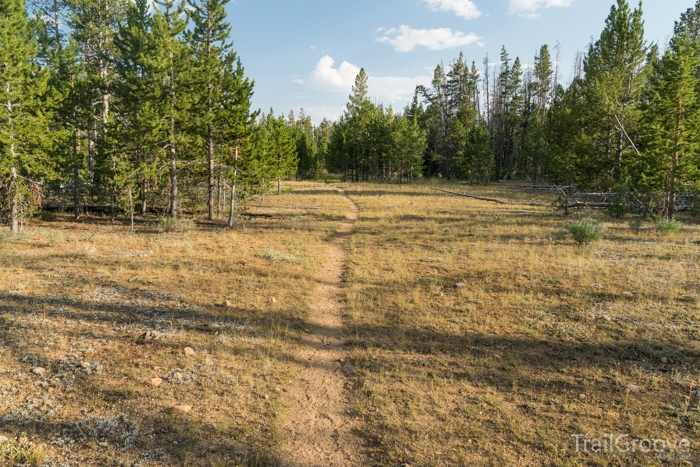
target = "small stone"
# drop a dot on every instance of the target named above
(155, 382)
(189, 351)
(84, 364)
(664, 360)
(460, 285)
(39, 371)
(228, 304)
(182, 408)
(632, 388)
(3, 439)
(274, 300)
(341, 360)
(267, 397)
(308, 331)
(583, 397)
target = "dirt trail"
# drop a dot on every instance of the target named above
(319, 431)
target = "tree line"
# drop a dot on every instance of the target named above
(135, 107)
(628, 122)
(131, 105)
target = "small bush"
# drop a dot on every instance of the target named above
(587, 230)
(176, 225)
(21, 451)
(669, 227)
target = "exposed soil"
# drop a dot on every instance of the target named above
(319, 430)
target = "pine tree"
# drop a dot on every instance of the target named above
(209, 42)
(24, 134)
(671, 161)
(615, 74)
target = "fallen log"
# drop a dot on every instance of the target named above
(494, 200)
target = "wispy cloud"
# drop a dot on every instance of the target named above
(531, 8)
(463, 8)
(405, 38)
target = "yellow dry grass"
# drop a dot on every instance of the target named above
(480, 334)
(75, 296)
(483, 335)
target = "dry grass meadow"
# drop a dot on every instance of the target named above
(541, 339)
(478, 334)
(75, 297)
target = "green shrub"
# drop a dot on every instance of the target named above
(21, 451)
(586, 230)
(176, 225)
(669, 227)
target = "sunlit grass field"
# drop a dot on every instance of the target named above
(484, 335)
(75, 297)
(477, 333)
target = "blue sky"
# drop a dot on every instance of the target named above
(305, 54)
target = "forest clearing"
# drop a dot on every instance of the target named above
(486, 258)
(471, 333)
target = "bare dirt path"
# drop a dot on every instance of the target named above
(319, 430)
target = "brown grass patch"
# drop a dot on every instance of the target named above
(75, 296)
(484, 335)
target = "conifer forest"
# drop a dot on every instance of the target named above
(135, 107)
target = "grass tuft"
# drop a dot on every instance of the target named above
(277, 257)
(167, 224)
(21, 451)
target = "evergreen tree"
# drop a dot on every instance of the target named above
(615, 74)
(209, 42)
(671, 161)
(24, 135)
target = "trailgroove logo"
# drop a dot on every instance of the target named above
(662, 449)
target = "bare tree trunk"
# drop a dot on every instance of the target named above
(173, 182)
(219, 198)
(210, 146)
(131, 209)
(144, 192)
(279, 186)
(232, 214)
(14, 208)
(671, 202)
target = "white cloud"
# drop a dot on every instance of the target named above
(530, 8)
(406, 39)
(463, 8)
(333, 79)
(298, 81)
(390, 90)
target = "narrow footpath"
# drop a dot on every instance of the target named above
(319, 430)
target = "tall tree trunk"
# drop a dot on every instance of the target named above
(671, 201)
(14, 193)
(76, 177)
(210, 147)
(232, 214)
(279, 186)
(173, 183)
(144, 192)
